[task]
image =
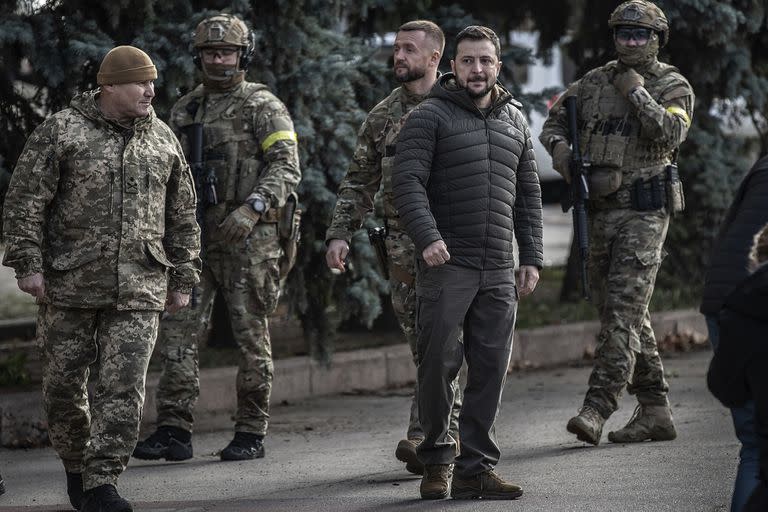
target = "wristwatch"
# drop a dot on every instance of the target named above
(258, 203)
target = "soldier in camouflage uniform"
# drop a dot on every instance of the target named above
(633, 114)
(246, 186)
(417, 50)
(100, 225)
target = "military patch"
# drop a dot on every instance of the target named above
(131, 185)
(633, 12)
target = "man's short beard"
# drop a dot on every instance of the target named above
(475, 95)
(411, 76)
(481, 94)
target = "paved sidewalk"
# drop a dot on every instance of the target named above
(336, 454)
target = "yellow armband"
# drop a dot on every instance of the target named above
(680, 112)
(276, 136)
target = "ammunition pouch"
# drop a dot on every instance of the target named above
(664, 190)
(648, 195)
(674, 190)
(603, 182)
(657, 192)
(607, 150)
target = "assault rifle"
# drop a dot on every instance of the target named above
(205, 179)
(578, 193)
(205, 183)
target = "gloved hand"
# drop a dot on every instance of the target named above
(238, 224)
(627, 80)
(561, 160)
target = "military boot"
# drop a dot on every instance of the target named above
(486, 485)
(436, 481)
(169, 443)
(587, 425)
(75, 489)
(648, 423)
(406, 452)
(104, 498)
(245, 446)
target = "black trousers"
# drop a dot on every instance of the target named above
(484, 303)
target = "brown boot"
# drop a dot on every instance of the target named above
(648, 423)
(487, 485)
(406, 452)
(436, 481)
(587, 425)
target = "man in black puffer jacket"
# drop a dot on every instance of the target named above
(465, 185)
(728, 266)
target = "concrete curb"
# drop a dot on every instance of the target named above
(356, 371)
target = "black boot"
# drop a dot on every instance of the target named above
(104, 498)
(244, 446)
(75, 489)
(169, 443)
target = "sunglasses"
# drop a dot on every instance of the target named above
(220, 52)
(639, 34)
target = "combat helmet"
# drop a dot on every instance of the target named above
(641, 13)
(224, 30)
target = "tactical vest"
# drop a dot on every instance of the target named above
(231, 150)
(388, 140)
(610, 129)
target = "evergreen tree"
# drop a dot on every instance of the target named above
(320, 65)
(327, 80)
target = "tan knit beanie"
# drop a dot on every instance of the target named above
(125, 64)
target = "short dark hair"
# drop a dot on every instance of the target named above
(477, 33)
(430, 29)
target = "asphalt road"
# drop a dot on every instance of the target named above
(336, 454)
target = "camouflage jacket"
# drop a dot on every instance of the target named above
(641, 131)
(107, 214)
(370, 173)
(249, 145)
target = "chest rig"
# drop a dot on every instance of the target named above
(610, 129)
(386, 142)
(231, 157)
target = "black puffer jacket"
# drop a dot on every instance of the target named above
(469, 179)
(728, 262)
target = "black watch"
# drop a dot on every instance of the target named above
(258, 203)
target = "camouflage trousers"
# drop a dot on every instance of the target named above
(95, 439)
(402, 274)
(248, 278)
(625, 255)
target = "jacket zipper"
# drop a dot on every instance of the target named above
(488, 216)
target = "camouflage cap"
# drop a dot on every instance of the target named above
(125, 64)
(221, 30)
(641, 13)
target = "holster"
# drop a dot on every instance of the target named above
(288, 219)
(377, 238)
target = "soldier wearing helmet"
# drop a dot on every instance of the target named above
(632, 115)
(224, 36)
(240, 140)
